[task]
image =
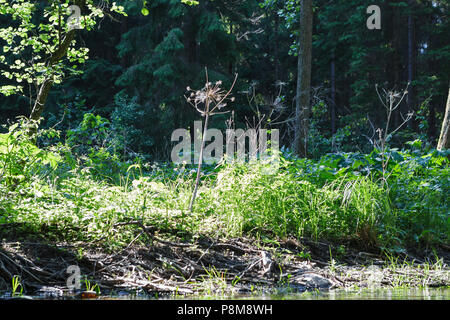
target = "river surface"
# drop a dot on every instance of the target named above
(337, 294)
(373, 294)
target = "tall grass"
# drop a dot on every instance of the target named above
(238, 201)
(323, 200)
(249, 202)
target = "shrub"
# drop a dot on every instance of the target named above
(98, 147)
(20, 158)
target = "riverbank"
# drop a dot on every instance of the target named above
(346, 219)
(208, 267)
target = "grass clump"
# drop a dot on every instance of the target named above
(286, 204)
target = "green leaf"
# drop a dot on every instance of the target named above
(190, 2)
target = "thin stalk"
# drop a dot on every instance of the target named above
(200, 160)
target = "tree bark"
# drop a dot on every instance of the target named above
(45, 87)
(42, 96)
(56, 56)
(333, 95)
(444, 139)
(275, 49)
(230, 65)
(411, 50)
(302, 105)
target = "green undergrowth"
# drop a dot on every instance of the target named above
(61, 195)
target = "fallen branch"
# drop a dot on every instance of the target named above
(22, 268)
(152, 285)
(150, 232)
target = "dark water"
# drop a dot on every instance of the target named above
(373, 294)
(338, 294)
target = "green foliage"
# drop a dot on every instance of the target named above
(287, 204)
(15, 284)
(20, 158)
(92, 287)
(190, 2)
(417, 184)
(130, 120)
(39, 43)
(91, 131)
(149, 60)
(130, 99)
(339, 197)
(98, 147)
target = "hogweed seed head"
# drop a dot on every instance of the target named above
(211, 96)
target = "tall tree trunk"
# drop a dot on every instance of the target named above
(56, 57)
(41, 99)
(411, 50)
(123, 30)
(275, 49)
(230, 65)
(302, 105)
(396, 70)
(42, 96)
(333, 96)
(444, 139)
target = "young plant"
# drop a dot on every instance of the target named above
(215, 282)
(15, 285)
(207, 101)
(92, 287)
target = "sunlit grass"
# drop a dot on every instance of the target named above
(334, 198)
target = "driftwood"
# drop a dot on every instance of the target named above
(192, 268)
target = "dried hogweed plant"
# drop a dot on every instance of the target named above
(208, 101)
(391, 100)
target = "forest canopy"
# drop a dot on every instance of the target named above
(133, 68)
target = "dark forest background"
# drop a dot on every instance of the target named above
(140, 66)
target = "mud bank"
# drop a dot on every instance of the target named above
(215, 267)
